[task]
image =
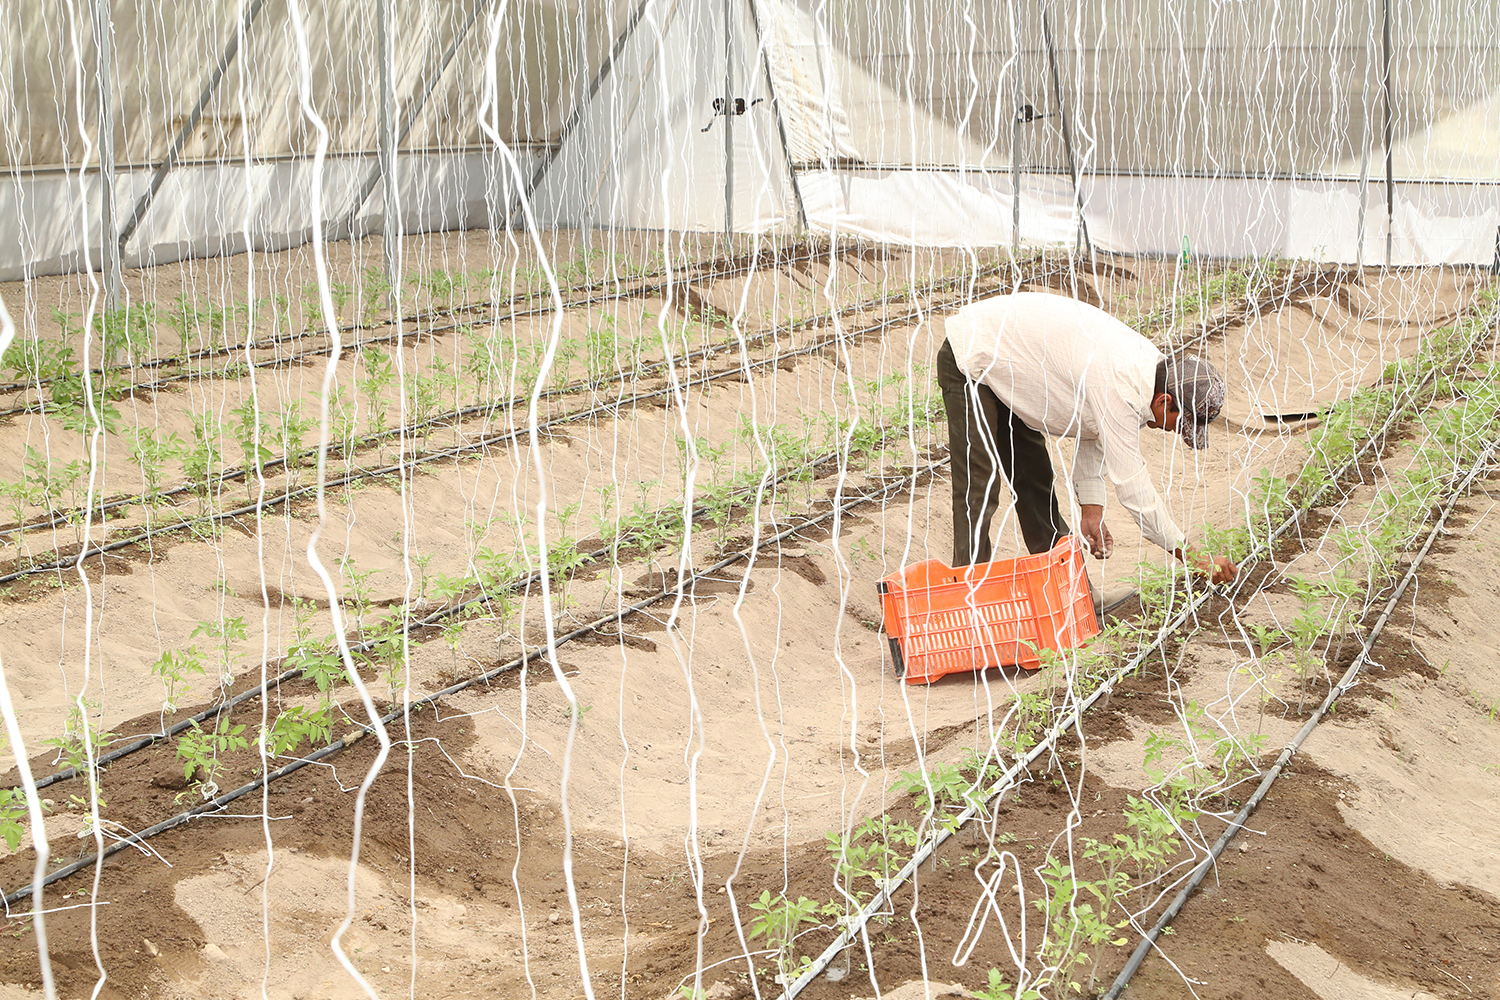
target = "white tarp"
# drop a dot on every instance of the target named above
(868, 123)
(201, 210)
(836, 110)
(638, 155)
(1223, 217)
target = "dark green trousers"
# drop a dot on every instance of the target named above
(991, 448)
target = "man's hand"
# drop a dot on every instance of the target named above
(1095, 532)
(1218, 569)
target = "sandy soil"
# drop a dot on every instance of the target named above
(698, 754)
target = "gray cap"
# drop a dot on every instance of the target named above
(1198, 390)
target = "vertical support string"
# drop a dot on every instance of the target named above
(104, 58)
(728, 125)
(391, 226)
(1015, 133)
(1015, 184)
(1084, 243)
(775, 101)
(1364, 143)
(1390, 129)
(428, 84)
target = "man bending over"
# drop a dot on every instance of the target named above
(1017, 367)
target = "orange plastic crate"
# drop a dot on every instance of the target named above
(942, 620)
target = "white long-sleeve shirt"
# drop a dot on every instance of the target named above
(1070, 369)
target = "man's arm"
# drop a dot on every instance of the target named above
(1094, 530)
(1120, 446)
(1119, 450)
(1101, 543)
(1088, 490)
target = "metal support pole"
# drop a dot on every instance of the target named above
(728, 126)
(1364, 145)
(1067, 133)
(1390, 127)
(786, 146)
(390, 230)
(210, 86)
(424, 91)
(109, 250)
(1015, 185)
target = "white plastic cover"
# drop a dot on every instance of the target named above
(650, 152)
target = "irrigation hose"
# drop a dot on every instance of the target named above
(1345, 683)
(493, 320)
(877, 903)
(451, 416)
(449, 611)
(699, 269)
(683, 586)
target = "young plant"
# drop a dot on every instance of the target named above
(778, 920)
(12, 816)
(602, 350)
(375, 294)
(126, 332)
(319, 662)
(1233, 542)
(224, 632)
(296, 725)
(950, 789)
(247, 427)
(152, 454)
(80, 742)
(385, 638)
(293, 431)
(998, 989)
(174, 668)
(380, 375)
(1310, 626)
(359, 587)
(21, 496)
(872, 851)
(199, 753)
(1269, 503)
(343, 432)
(203, 457)
(1072, 927)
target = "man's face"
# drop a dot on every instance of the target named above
(1164, 412)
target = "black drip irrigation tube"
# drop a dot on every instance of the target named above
(425, 458)
(698, 273)
(1074, 717)
(436, 617)
(683, 586)
(572, 389)
(693, 272)
(1270, 297)
(1345, 683)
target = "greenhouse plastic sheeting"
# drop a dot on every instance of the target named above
(1312, 219)
(202, 209)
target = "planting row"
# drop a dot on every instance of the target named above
(437, 392)
(1065, 904)
(494, 378)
